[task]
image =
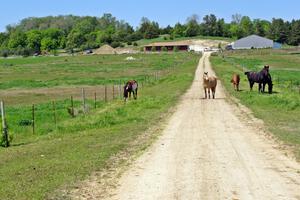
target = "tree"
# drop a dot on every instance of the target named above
(246, 26)
(33, 41)
(278, 30)
(209, 25)
(178, 30)
(17, 39)
(192, 27)
(149, 29)
(295, 33)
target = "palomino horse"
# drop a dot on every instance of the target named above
(130, 87)
(262, 78)
(235, 80)
(209, 83)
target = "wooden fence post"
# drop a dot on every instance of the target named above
(54, 113)
(72, 107)
(4, 125)
(83, 100)
(33, 119)
(95, 103)
(113, 91)
(105, 93)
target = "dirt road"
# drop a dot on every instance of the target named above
(209, 151)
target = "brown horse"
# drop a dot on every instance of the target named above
(209, 83)
(130, 87)
(235, 80)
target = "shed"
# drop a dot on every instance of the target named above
(253, 42)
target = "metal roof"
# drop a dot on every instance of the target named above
(253, 41)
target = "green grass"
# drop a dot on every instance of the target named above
(36, 166)
(46, 72)
(281, 110)
(161, 39)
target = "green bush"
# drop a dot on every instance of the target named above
(176, 49)
(135, 44)
(153, 49)
(164, 49)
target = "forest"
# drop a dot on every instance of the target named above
(73, 33)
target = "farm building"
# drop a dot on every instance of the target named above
(170, 46)
(253, 42)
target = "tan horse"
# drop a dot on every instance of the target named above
(209, 83)
(235, 80)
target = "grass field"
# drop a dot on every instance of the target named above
(35, 166)
(281, 110)
(161, 39)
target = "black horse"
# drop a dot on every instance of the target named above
(130, 87)
(262, 78)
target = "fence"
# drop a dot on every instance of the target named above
(40, 119)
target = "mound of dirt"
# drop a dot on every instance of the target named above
(105, 49)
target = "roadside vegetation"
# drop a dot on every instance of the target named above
(281, 110)
(35, 166)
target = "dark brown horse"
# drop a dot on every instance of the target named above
(262, 78)
(130, 87)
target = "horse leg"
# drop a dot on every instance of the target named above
(259, 88)
(209, 93)
(135, 94)
(264, 86)
(237, 87)
(251, 85)
(205, 93)
(213, 90)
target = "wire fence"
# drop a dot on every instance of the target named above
(43, 118)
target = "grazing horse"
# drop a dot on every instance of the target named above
(130, 87)
(235, 80)
(209, 83)
(262, 78)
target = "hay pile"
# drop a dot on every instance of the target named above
(105, 49)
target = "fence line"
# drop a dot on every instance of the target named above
(28, 119)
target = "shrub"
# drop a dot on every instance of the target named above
(171, 37)
(135, 44)
(176, 49)
(115, 44)
(129, 43)
(165, 38)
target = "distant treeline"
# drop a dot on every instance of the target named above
(47, 34)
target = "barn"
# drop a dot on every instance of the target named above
(170, 46)
(254, 42)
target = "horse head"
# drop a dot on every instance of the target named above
(205, 76)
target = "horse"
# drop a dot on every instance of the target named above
(235, 80)
(209, 83)
(130, 87)
(262, 78)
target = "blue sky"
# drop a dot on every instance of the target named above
(163, 11)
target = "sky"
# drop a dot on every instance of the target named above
(165, 12)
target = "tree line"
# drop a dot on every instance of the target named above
(48, 34)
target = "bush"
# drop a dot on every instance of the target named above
(4, 53)
(171, 37)
(129, 43)
(165, 38)
(135, 44)
(153, 49)
(115, 44)
(176, 49)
